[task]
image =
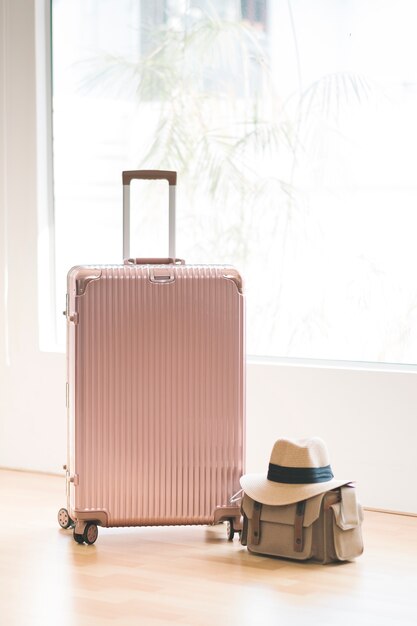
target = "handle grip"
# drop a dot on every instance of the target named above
(127, 177)
(171, 177)
(154, 261)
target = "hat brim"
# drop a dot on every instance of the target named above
(265, 491)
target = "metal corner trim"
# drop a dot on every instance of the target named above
(91, 515)
(235, 277)
(83, 278)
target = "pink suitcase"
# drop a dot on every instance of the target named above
(155, 390)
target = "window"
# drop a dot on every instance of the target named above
(254, 11)
(292, 126)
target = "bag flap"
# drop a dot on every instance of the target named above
(285, 514)
(348, 513)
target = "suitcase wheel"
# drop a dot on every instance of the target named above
(64, 519)
(89, 535)
(230, 531)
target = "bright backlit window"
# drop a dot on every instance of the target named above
(292, 125)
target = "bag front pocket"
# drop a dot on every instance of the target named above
(347, 526)
(271, 530)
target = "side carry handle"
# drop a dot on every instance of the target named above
(127, 177)
(154, 261)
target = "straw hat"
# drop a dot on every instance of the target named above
(298, 469)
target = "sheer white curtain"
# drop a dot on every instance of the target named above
(294, 133)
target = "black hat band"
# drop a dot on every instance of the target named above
(299, 475)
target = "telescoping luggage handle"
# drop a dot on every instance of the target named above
(127, 177)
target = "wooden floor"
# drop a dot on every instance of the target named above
(188, 575)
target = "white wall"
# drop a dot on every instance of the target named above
(368, 418)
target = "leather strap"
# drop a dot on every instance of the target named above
(298, 526)
(256, 524)
(244, 533)
(331, 498)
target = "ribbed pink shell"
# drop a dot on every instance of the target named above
(156, 376)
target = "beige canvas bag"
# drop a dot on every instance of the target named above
(325, 527)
